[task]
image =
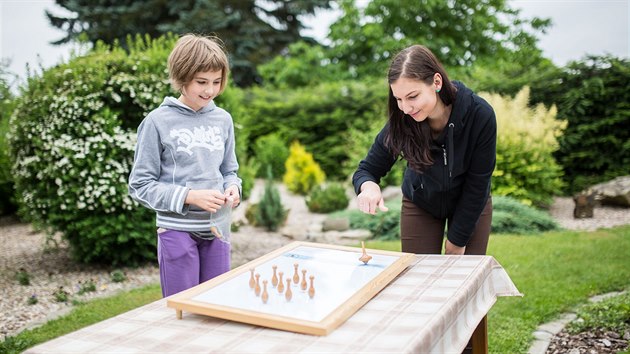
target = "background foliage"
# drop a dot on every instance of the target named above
(595, 101)
(7, 101)
(257, 30)
(302, 172)
(509, 217)
(269, 212)
(526, 140)
(271, 151)
(317, 116)
(460, 32)
(74, 126)
(72, 142)
(327, 198)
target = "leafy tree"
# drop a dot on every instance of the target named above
(507, 76)
(254, 31)
(459, 32)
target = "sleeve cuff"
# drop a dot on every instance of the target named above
(180, 199)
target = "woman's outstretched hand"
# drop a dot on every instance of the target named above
(371, 198)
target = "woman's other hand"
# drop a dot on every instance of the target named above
(450, 248)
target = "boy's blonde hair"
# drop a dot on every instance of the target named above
(193, 54)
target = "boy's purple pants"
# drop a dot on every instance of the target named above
(186, 261)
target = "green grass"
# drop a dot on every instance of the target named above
(557, 272)
(82, 315)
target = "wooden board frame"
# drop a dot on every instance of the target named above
(184, 301)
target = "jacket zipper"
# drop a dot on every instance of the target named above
(445, 181)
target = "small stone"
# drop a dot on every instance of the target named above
(336, 224)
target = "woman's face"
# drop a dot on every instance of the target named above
(415, 98)
(202, 89)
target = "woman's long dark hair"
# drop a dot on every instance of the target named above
(406, 137)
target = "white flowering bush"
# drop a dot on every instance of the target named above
(71, 141)
(526, 141)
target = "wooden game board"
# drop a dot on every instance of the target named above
(342, 284)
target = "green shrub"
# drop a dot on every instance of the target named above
(303, 173)
(23, 277)
(326, 199)
(526, 140)
(61, 295)
(318, 116)
(8, 204)
(595, 100)
(383, 225)
(251, 214)
(72, 143)
(247, 171)
(270, 213)
(118, 276)
(32, 300)
(271, 151)
(232, 100)
(87, 286)
(509, 216)
(612, 314)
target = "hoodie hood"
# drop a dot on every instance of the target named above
(461, 107)
(174, 103)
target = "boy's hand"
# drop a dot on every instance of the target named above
(207, 199)
(232, 195)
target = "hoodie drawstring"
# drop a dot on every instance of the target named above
(451, 127)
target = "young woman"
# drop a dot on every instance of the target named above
(185, 167)
(447, 135)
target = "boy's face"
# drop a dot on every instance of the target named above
(202, 89)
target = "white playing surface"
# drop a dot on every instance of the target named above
(338, 275)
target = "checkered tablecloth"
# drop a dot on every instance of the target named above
(432, 307)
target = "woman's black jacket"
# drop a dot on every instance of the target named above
(457, 185)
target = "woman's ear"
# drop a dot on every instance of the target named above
(437, 81)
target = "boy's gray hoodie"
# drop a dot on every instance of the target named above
(179, 149)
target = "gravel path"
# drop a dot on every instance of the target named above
(50, 269)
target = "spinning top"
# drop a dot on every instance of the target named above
(365, 258)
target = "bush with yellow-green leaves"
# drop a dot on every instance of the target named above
(302, 171)
(526, 140)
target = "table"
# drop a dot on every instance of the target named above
(434, 306)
